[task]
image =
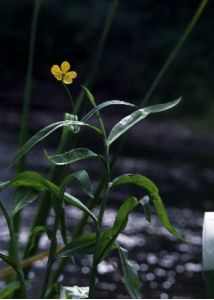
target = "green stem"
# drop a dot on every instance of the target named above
(53, 248)
(102, 211)
(15, 250)
(24, 128)
(164, 68)
(59, 172)
(70, 98)
(175, 50)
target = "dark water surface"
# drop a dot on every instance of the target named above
(176, 160)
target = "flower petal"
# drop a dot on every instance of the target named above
(67, 80)
(65, 66)
(55, 70)
(71, 74)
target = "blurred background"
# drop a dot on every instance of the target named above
(175, 148)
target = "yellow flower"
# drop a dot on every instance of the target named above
(63, 74)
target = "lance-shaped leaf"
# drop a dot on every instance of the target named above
(8, 260)
(131, 278)
(34, 180)
(77, 203)
(82, 245)
(71, 156)
(4, 185)
(83, 177)
(138, 115)
(146, 206)
(136, 179)
(37, 231)
(40, 135)
(9, 289)
(108, 238)
(97, 108)
(23, 197)
(163, 216)
(153, 191)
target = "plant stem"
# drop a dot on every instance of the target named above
(24, 128)
(175, 50)
(70, 98)
(101, 212)
(15, 250)
(164, 68)
(59, 172)
(53, 248)
(28, 85)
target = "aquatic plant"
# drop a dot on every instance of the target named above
(101, 241)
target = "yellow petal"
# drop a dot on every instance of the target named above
(67, 80)
(71, 74)
(65, 66)
(55, 70)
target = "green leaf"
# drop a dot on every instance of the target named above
(74, 292)
(103, 105)
(163, 216)
(37, 231)
(83, 177)
(53, 291)
(136, 179)
(146, 206)
(23, 197)
(4, 185)
(8, 260)
(77, 203)
(70, 156)
(9, 289)
(34, 180)
(40, 135)
(90, 96)
(138, 115)
(108, 238)
(131, 278)
(82, 245)
(146, 183)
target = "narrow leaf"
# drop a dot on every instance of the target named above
(90, 96)
(109, 236)
(4, 185)
(146, 206)
(8, 260)
(77, 203)
(23, 197)
(70, 156)
(40, 135)
(131, 278)
(34, 180)
(82, 245)
(138, 115)
(10, 288)
(136, 179)
(83, 177)
(163, 216)
(38, 230)
(92, 112)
